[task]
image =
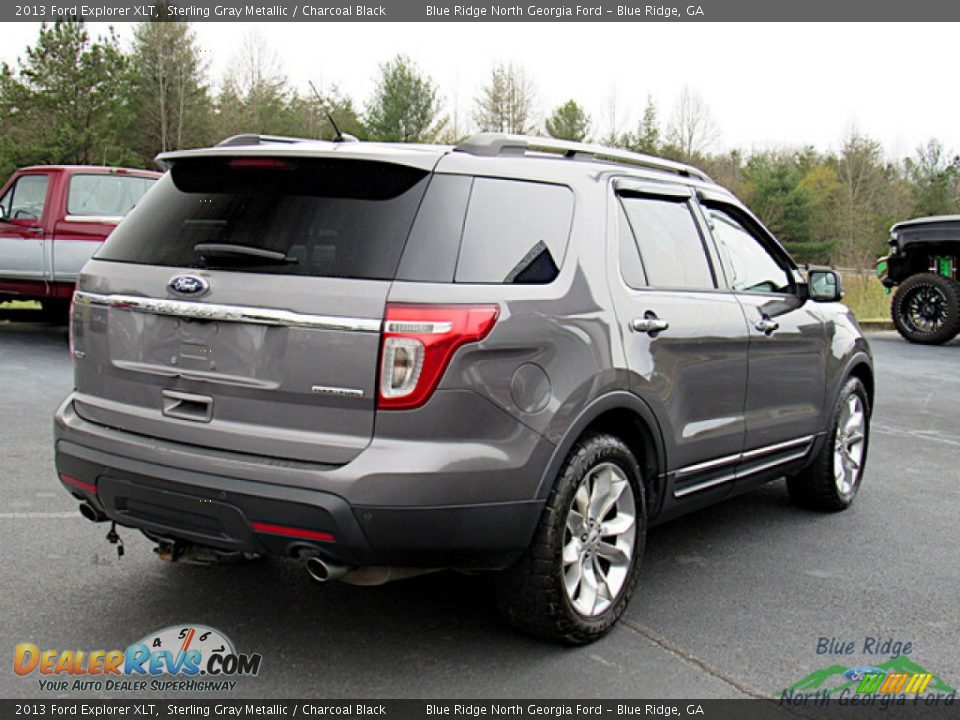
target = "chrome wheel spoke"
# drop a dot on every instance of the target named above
(617, 525)
(607, 489)
(572, 551)
(582, 500)
(575, 522)
(572, 577)
(615, 555)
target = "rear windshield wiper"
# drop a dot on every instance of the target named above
(242, 253)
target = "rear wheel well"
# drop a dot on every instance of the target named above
(634, 431)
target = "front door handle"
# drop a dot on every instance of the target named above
(650, 324)
(766, 325)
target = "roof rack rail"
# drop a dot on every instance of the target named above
(490, 144)
(255, 139)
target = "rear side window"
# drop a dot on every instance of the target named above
(105, 195)
(514, 232)
(327, 217)
(669, 242)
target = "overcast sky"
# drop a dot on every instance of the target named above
(766, 84)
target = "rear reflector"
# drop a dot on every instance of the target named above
(418, 342)
(291, 532)
(79, 484)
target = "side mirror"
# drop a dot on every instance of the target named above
(825, 286)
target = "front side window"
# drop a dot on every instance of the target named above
(105, 195)
(670, 243)
(749, 265)
(25, 200)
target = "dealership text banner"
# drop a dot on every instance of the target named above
(437, 10)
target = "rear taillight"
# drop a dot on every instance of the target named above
(418, 342)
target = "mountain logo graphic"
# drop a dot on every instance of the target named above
(895, 676)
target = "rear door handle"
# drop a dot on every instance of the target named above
(35, 230)
(649, 324)
(766, 325)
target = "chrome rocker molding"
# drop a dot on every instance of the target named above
(802, 444)
(227, 313)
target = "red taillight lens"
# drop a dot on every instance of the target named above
(418, 342)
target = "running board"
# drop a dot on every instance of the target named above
(750, 463)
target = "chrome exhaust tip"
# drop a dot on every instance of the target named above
(322, 571)
(91, 513)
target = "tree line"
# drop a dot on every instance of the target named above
(76, 99)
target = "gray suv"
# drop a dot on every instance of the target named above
(512, 355)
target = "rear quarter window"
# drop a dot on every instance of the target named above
(514, 232)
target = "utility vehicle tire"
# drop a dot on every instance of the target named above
(926, 309)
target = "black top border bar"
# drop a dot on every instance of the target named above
(117, 11)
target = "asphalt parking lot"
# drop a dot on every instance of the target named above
(732, 601)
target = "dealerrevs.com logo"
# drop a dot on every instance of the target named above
(180, 657)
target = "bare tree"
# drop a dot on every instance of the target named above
(692, 130)
(507, 102)
(614, 136)
(255, 96)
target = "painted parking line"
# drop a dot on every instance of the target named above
(40, 515)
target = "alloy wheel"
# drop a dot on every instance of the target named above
(599, 538)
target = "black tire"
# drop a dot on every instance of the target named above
(531, 594)
(817, 487)
(926, 309)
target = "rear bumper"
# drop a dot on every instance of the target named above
(234, 505)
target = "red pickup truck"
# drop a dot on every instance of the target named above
(52, 219)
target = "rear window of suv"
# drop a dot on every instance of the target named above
(328, 217)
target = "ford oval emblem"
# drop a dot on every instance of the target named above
(192, 285)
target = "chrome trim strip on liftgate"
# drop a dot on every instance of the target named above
(740, 457)
(227, 313)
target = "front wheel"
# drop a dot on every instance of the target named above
(574, 581)
(832, 481)
(926, 309)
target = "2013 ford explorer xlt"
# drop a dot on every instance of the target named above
(513, 355)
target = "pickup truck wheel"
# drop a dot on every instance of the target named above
(832, 481)
(926, 309)
(576, 578)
